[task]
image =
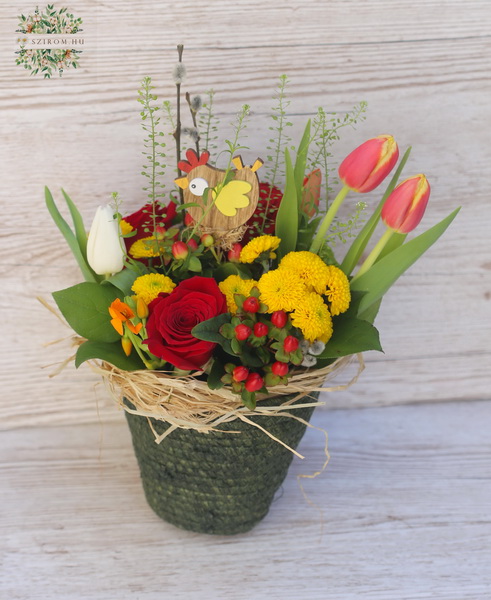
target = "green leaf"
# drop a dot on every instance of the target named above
(215, 376)
(371, 312)
(287, 216)
(282, 356)
(395, 240)
(362, 239)
(249, 399)
(226, 269)
(382, 275)
(235, 346)
(351, 336)
(78, 224)
(69, 236)
(209, 330)
(301, 161)
(111, 353)
(187, 205)
(85, 306)
(227, 331)
(194, 264)
(122, 280)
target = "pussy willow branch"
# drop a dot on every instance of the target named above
(177, 132)
(195, 122)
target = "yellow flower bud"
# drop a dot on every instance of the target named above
(127, 345)
(141, 308)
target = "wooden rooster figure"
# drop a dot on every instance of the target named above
(226, 207)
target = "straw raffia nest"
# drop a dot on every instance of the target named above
(186, 402)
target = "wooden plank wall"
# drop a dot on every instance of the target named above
(423, 67)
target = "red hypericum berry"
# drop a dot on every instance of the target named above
(188, 220)
(251, 304)
(279, 319)
(242, 332)
(193, 244)
(179, 250)
(207, 240)
(290, 344)
(254, 382)
(260, 329)
(240, 373)
(160, 232)
(279, 368)
(234, 254)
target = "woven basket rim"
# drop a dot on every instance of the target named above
(186, 402)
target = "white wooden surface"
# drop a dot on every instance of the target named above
(406, 497)
(405, 504)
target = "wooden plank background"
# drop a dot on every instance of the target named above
(423, 67)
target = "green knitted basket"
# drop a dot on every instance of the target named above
(217, 483)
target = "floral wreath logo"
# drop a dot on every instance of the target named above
(47, 61)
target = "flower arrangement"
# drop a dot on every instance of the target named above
(231, 282)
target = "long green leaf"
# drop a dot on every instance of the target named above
(69, 236)
(111, 353)
(301, 160)
(78, 223)
(396, 240)
(380, 277)
(287, 217)
(360, 242)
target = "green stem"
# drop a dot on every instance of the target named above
(374, 254)
(136, 344)
(331, 213)
(213, 251)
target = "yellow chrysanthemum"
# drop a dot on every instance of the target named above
(311, 269)
(142, 249)
(337, 291)
(148, 287)
(281, 290)
(234, 284)
(312, 317)
(259, 245)
(125, 227)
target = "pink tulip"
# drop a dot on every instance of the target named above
(369, 164)
(405, 207)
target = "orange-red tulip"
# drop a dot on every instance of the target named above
(369, 164)
(405, 207)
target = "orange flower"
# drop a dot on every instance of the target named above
(122, 313)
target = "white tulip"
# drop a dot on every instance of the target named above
(104, 247)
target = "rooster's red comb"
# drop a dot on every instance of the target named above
(193, 160)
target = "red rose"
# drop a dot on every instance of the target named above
(174, 315)
(142, 219)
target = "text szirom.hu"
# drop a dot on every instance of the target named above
(52, 41)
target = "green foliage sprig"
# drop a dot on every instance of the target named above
(341, 230)
(325, 132)
(209, 123)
